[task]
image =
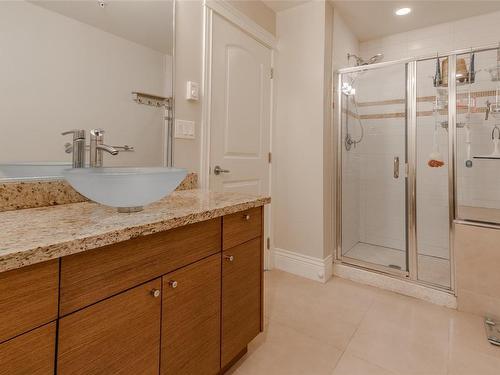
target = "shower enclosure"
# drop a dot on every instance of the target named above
(403, 141)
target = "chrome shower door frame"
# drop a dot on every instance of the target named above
(411, 128)
(411, 79)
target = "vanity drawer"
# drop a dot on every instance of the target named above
(32, 353)
(28, 298)
(241, 227)
(100, 273)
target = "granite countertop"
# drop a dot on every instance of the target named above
(36, 235)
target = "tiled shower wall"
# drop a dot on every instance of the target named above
(477, 186)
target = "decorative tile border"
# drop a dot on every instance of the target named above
(426, 99)
(421, 99)
(33, 194)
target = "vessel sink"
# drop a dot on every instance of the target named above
(32, 171)
(128, 189)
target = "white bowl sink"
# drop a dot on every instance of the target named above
(128, 189)
(32, 171)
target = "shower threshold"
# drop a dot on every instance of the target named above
(433, 270)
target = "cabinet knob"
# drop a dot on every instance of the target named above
(229, 258)
(173, 284)
(246, 217)
(155, 293)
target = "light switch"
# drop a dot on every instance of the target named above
(184, 129)
(192, 91)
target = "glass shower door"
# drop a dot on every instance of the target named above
(373, 178)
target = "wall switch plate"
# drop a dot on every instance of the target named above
(184, 129)
(192, 91)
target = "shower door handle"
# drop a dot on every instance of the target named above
(396, 167)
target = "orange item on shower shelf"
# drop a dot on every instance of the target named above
(435, 163)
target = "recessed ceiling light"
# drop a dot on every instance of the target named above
(403, 11)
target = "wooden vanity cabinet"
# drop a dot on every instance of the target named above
(191, 319)
(180, 302)
(120, 335)
(28, 298)
(32, 353)
(100, 273)
(241, 299)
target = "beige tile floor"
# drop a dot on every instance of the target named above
(344, 328)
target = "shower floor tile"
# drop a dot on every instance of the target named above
(430, 269)
(384, 256)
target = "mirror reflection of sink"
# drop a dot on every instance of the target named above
(128, 189)
(32, 171)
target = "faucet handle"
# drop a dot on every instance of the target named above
(97, 132)
(77, 133)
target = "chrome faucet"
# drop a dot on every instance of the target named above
(97, 146)
(78, 147)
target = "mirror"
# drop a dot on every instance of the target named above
(75, 65)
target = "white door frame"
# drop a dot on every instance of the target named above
(245, 23)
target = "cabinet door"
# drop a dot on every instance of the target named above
(32, 353)
(241, 298)
(191, 319)
(28, 298)
(120, 335)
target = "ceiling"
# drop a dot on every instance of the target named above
(148, 23)
(375, 19)
(279, 5)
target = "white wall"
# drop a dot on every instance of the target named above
(189, 67)
(83, 78)
(344, 42)
(298, 190)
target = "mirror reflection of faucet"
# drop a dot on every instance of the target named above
(96, 148)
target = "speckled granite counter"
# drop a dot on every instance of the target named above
(35, 235)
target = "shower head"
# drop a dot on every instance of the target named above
(361, 61)
(376, 58)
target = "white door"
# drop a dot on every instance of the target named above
(240, 110)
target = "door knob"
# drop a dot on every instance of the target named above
(155, 293)
(246, 217)
(218, 170)
(229, 258)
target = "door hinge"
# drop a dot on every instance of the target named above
(270, 157)
(272, 73)
(268, 243)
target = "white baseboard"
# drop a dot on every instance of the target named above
(302, 265)
(393, 284)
